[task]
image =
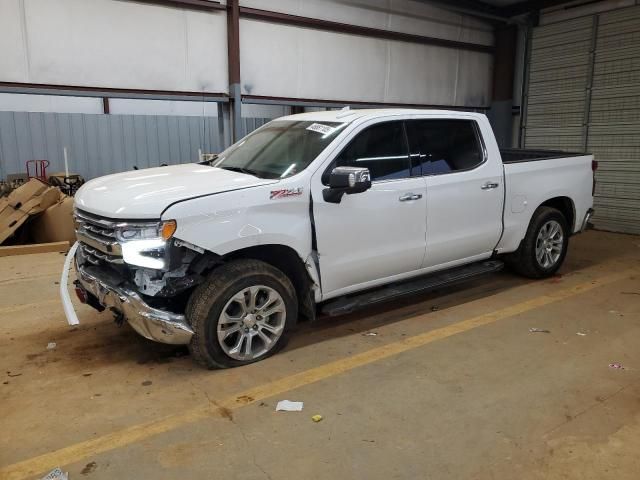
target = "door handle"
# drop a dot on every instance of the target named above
(407, 197)
(489, 186)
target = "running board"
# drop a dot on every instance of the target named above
(427, 283)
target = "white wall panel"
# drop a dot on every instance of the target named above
(131, 106)
(422, 74)
(13, 53)
(475, 75)
(111, 43)
(17, 102)
(268, 56)
(340, 66)
(405, 16)
(286, 61)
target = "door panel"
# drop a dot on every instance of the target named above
(463, 219)
(464, 191)
(371, 235)
(378, 233)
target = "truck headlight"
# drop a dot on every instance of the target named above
(126, 232)
(144, 244)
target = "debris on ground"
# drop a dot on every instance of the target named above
(369, 334)
(317, 418)
(51, 345)
(616, 366)
(89, 468)
(538, 330)
(289, 406)
(13, 374)
(582, 334)
(630, 293)
(435, 308)
(56, 474)
(87, 374)
(146, 383)
(615, 312)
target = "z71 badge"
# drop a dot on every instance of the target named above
(285, 192)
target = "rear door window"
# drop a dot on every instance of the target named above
(444, 146)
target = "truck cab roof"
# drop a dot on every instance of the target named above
(348, 115)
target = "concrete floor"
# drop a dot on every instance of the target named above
(453, 386)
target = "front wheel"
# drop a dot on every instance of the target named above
(544, 246)
(242, 313)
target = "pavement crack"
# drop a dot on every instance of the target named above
(227, 413)
(590, 407)
(253, 455)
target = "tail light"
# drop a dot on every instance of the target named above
(594, 167)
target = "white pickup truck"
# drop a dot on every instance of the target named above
(325, 211)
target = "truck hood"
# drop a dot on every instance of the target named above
(142, 194)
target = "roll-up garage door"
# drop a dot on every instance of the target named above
(583, 93)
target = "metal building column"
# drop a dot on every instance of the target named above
(224, 121)
(503, 71)
(524, 99)
(233, 43)
(589, 87)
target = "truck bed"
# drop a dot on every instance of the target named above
(516, 155)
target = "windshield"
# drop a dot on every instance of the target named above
(279, 149)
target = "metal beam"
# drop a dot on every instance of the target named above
(313, 102)
(533, 6)
(191, 4)
(474, 8)
(326, 25)
(84, 91)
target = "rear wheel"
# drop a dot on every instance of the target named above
(544, 246)
(243, 313)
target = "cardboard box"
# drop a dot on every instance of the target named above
(27, 200)
(55, 224)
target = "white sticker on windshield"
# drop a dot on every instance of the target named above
(320, 128)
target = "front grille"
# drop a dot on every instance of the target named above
(95, 257)
(97, 233)
(99, 228)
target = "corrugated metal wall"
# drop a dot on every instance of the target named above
(614, 123)
(103, 144)
(557, 85)
(583, 94)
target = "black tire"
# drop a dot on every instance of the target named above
(524, 260)
(208, 300)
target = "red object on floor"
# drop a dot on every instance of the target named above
(37, 169)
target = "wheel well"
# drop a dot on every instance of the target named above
(565, 206)
(288, 262)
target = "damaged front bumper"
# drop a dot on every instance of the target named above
(152, 323)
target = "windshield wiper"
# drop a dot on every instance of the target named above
(210, 160)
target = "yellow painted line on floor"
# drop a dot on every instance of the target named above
(74, 453)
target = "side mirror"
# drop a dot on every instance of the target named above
(347, 180)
